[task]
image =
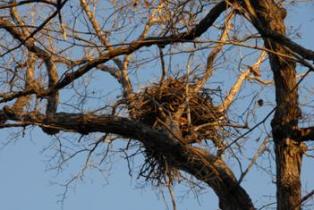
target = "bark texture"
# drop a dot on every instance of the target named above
(267, 15)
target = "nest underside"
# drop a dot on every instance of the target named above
(157, 169)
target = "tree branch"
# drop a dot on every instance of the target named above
(20, 3)
(199, 29)
(215, 51)
(303, 134)
(53, 96)
(266, 32)
(237, 85)
(196, 161)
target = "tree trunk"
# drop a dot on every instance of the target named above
(288, 160)
(267, 15)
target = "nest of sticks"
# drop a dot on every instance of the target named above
(188, 115)
(170, 105)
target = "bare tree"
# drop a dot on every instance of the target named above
(180, 67)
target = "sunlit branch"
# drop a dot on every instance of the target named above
(22, 101)
(39, 28)
(215, 51)
(237, 85)
(101, 36)
(199, 29)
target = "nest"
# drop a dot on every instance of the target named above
(166, 106)
(188, 115)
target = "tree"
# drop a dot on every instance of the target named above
(55, 53)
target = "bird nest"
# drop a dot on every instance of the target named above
(184, 112)
(188, 114)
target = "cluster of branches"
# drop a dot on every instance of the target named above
(54, 52)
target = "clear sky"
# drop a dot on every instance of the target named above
(25, 184)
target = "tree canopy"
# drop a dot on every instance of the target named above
(192, 87)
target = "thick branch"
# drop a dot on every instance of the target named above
(304, 134)
(270, 33)
(285, 41)
(53, 96)
(198, 162)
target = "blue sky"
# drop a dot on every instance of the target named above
(25, 183)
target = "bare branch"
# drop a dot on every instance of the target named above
(39, 28)
(196, 161)
(253, 15)
(215, 51)
(237, 85)
(257, 154)
(199, 29)
(22, 101)
(46, 56)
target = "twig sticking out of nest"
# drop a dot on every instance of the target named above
(165, 104)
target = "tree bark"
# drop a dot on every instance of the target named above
(267, 15)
